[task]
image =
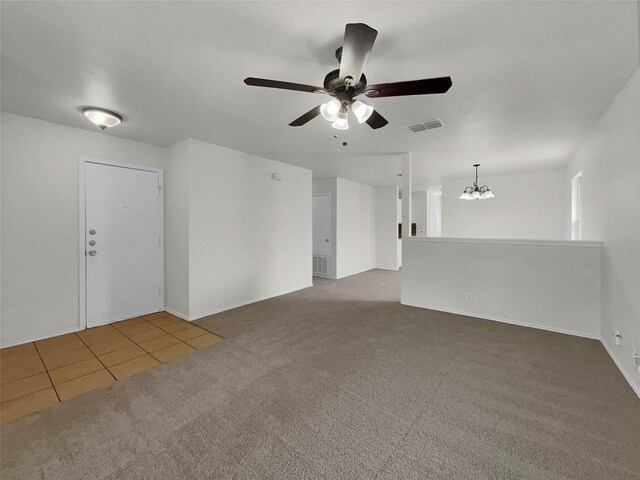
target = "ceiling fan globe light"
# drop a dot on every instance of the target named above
(361, 110)
(342, 121)
(333, 107)
(324, 111)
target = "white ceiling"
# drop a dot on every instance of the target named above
(530, 79)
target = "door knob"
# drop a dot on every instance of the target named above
(92, 253)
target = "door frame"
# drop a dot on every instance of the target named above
(331, 258)
(82, 254)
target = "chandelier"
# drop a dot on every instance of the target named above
(475, 192)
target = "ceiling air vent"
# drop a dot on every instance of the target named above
(421, 127)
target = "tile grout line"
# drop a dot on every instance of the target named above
(35, 391)
(47, 370)
(197, 336)
(96, 356)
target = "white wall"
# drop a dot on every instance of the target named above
(515, 212)
(553, 286)
(399, 221)
(39, 258)
(355, 228)
(249, 235)
(419, 212)
(610, 163)
(176, 229)
(386, 227)
(434, 202)
(330, 185)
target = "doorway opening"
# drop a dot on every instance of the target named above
(322, 234)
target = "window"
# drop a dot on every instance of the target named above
(576, 207)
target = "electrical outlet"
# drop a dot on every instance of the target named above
(469, 297)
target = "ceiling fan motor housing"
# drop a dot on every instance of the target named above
(341, 91)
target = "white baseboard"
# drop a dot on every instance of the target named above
(635, 388)
(506, 320)
(176, 313)
(330, 277)
(354, 273)
(41, 337)
(241, 304)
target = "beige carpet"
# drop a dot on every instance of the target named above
(339, 381)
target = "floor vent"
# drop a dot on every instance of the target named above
(422, 127)
(320, 265)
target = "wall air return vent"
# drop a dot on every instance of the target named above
(320, 265)
(422, 127)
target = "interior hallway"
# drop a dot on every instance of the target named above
(341, 381)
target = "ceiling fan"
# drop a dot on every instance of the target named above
(347, 82)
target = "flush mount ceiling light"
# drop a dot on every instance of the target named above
(101, 117)
(475, 192)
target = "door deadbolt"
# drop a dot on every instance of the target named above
(92, 253)
(92, 243)
(92, 232)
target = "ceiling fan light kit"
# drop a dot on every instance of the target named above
(475, 192)
(349, 81)
(342, 120)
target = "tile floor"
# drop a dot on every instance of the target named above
(36, 375)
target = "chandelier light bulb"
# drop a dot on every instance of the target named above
(488, 194)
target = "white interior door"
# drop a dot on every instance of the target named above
(123, 243)
(322, 225)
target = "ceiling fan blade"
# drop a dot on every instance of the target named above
(264, 82)
(356, 47)
(412, 87)
(310, 115)
(376, 120)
